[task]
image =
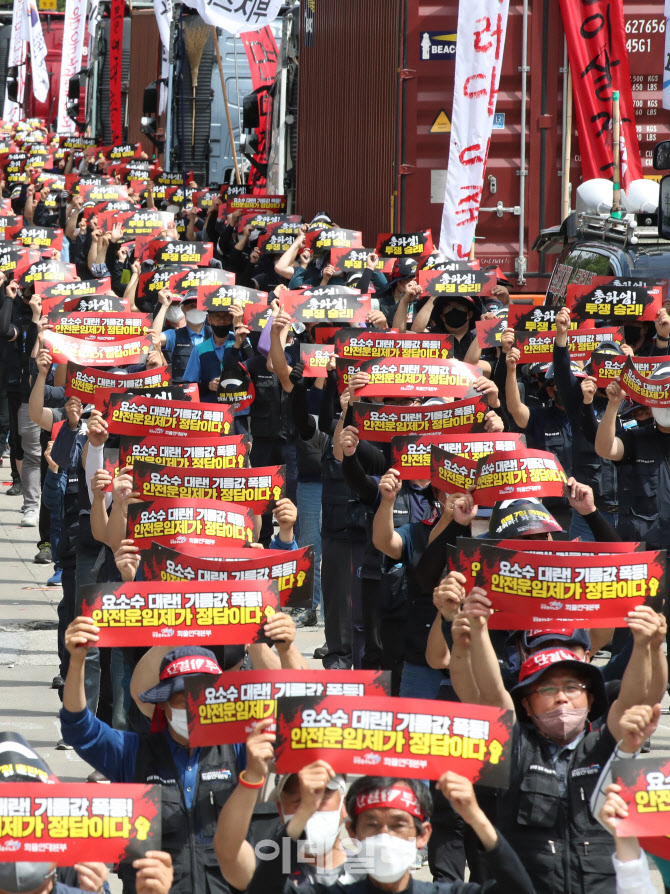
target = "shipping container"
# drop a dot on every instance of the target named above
(374, 115)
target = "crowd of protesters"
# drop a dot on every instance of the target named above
(388, 598)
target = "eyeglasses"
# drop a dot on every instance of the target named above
(572, 690)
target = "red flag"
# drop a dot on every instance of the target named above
(597, 50)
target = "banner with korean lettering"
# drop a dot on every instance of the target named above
(315, 359)
(327, 304)
(570, 547)
(649, 392)
(606, 367)
(450, 473)
(139, 416)
(187, 391)
(410, 454)
(73, 45)
(65, 349)
(480, 43)
(381, 422)
(151, 613)
(66, 823)
(513, 475)
(405, 245)
(617, 304)
(200, 523)
(116, 16)
(531, 590)
(596, 41)
(223, 711)
(211, 454)
(398, 377)
(292, 570)
(100, 327)
(259, 488)
(352, 344)
(403, 737)
(539, 346)
(83, 382)
(645, 787)
(489, 332)
(464, 282)
(11, 111)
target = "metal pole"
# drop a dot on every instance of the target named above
(566, 151)
(521, 259)
(238, 179)
(237, 87)
(616, 154)
(169, 107)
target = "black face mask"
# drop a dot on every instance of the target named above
(221, 331)
(631, 334)
(455, 318)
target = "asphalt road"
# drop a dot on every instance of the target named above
(29, 660)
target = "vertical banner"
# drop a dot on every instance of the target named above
(38, 54)
(115, 57)
(17, 56)
(480, 42)
(261, 51)
(596, 41)
(666, 59)
(163, 11)
(73, 45)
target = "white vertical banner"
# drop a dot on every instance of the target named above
(73, 47)
(480, 42)
(38, 54)
(163, 11)
(16, 56)
(235, 18)
(666, 59)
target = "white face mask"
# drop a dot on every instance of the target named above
(387, 857)
(321, 831)
(179, 722)
(174, 315)
(661, 416)
(196, 317)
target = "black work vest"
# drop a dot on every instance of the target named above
(589, 468)
(182, 351)
(270, 412)
(187, 834)
(648, 506)
(563, 848)
(342, 514)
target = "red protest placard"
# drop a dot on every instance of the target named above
(531, 590)
(354, 260)
(173, 251)
(606, 367)
(354, 344)
(404, 737)
(224, 710)
(64, 349)
(152, 613)
(581, 343)
(200, 523)
(450, 473)
(645, 787)
(333, 237)
(446, 284)
(489, 332)
(649, 392)
(257, 203)
(315, 359)
(380, 422)
(44, 237)
(187, 391)
(100, 327)
(256, 316)
(258, 488)
(397, 377)
(218, 297)
(180, 419)
(84, 382)
(520, 473)
(65, 823)
(405, 245)
(327, 305)
(410, 454)
(292, 570)
(617, 303)
(213, 453)
(197, 278)
(77, 288)
(146, 222)
(534, 319)
(46, 271)
(572, 547)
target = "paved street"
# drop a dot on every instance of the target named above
(28, 657)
